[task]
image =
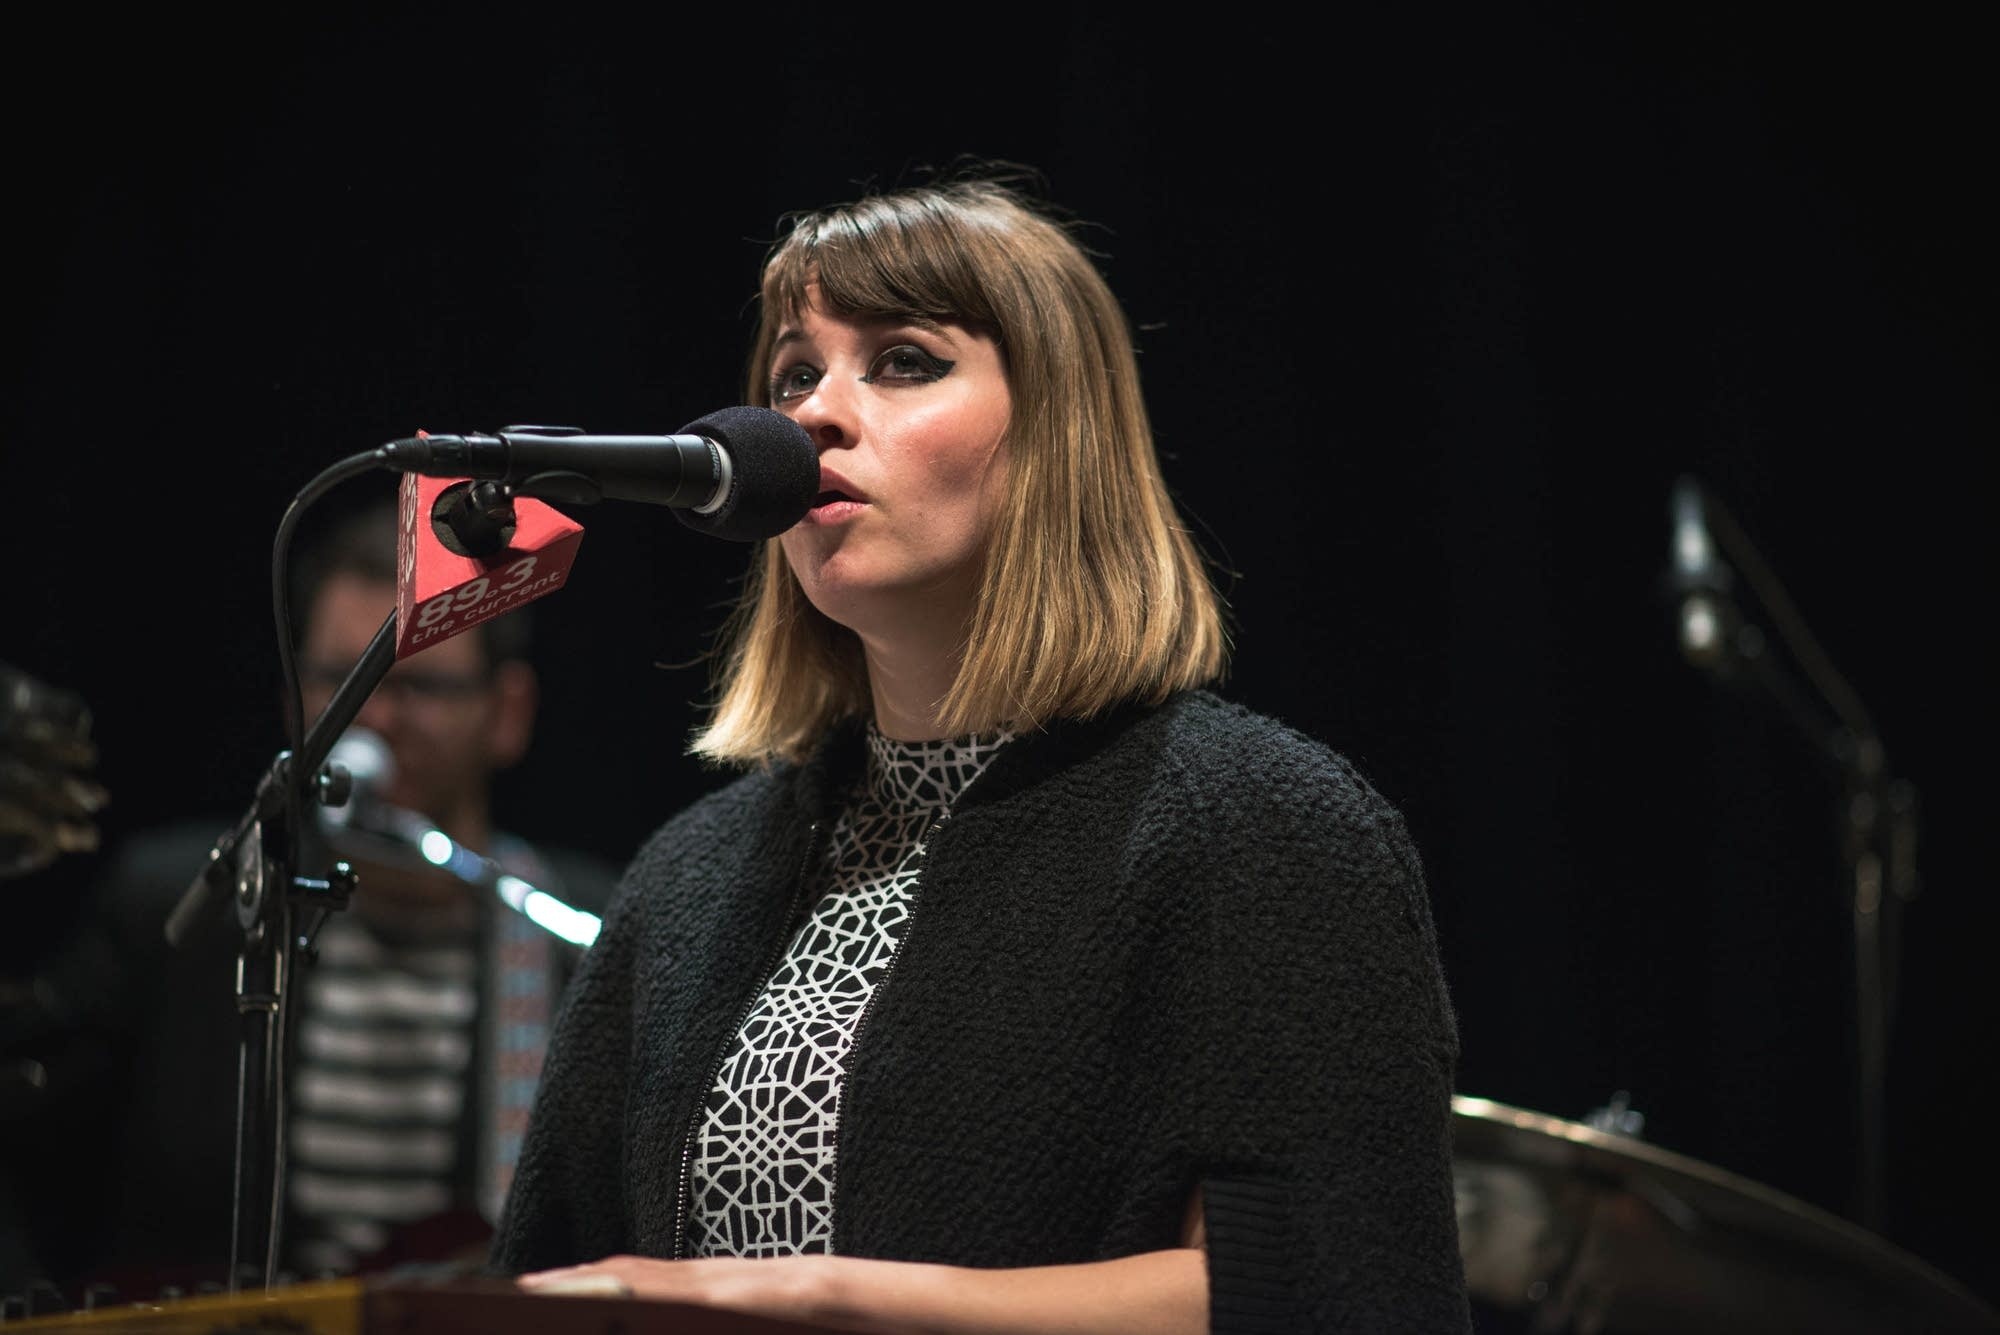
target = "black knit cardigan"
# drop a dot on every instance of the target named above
(1169, 947)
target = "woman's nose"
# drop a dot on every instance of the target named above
(827, 414)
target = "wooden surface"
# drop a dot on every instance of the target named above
(401, 1307)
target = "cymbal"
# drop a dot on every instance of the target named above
(1577, 1229)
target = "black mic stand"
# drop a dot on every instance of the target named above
(1878, 812)
(254, 866)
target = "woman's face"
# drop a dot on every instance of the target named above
(911, 422)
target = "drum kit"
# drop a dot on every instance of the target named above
(1568, 1228)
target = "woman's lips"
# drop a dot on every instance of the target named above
(836, 500)
(831, 507)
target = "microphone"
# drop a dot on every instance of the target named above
(740, 473)
(1707, 616)
(365, 820)
(366, 823)
(369, 827)
(370, 766)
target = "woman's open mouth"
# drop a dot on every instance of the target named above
(831, 506)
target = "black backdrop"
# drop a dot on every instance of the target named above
(1432, 307)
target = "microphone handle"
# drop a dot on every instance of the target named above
(683, 472)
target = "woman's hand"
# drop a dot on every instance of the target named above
(796, 1287)
(1158, 1292)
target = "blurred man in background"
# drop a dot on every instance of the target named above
(417, 1032)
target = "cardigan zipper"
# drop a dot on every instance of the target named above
(861, 1023)
(684, 1191)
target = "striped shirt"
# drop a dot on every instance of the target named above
(381, 1075)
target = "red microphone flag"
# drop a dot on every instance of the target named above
(440, 593)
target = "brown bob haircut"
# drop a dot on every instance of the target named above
(1093, 592)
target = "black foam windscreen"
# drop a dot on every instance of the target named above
(774, 473)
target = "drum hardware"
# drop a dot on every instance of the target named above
(1712, 562)
(1573, 1228)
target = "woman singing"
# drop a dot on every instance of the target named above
(1019, 981)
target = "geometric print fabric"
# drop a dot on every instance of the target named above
(764, 1157)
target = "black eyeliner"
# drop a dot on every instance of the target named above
(935, 368)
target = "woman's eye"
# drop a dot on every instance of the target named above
(907, 364)
(793, 382)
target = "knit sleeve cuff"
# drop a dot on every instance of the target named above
(1251, 1241)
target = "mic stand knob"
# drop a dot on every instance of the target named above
(328, 897)
(334, 784)
(474, 518)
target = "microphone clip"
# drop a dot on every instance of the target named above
(474, 518)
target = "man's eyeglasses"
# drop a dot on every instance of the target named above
(414, 684)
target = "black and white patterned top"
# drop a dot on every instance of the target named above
(764, 1157)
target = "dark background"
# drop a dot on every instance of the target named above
(1433, 304)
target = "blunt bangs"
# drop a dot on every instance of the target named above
(889, 259)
